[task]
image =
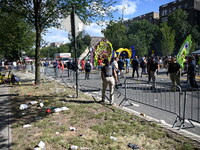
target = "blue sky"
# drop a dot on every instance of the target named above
(133, 8)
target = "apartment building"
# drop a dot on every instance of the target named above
(192, 7)
(152, 17)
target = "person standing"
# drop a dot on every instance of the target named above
(135, 66)
(116, 67)
(174, 69)
(82, 64)
(121, 66)
(88, 67)
(46, 67)
(143, 66)
(14, 65)
(153, 68)
(55, 66)
(109, 77)
(191, 72)
(127, 61)
(99, 63)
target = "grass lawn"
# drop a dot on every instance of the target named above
(98, 126)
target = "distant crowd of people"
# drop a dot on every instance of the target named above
(114, 69)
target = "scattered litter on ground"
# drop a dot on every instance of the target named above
(23, 106)
(23, 113)
(143, 114)
(57, 110)
(57, 133)
(73, 147)
(48, 110)
(72, 128)
(27, 125)
(41, 144)
(33, 102)
(60, 109)
(113, 138)
(38, 118)
(132, 146)
(162, 121)
(64, 108)
(41, 105)
(70, 96)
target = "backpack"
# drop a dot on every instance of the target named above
(88, 66)
(108, 71)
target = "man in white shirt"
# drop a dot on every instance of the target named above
(14, 65)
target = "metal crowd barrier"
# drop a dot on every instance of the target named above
(191, 108)
(184, 104)
(162, 97)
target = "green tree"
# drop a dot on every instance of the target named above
(49, 51)
(167, 40)
(143, 32)
(44, 14)
(16, 35)
(138, 40)
(178, 22)
(195, 32)
(83, 41)
(116, 33)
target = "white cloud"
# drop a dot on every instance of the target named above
(94, 30)
(56, 35)
(128, 7)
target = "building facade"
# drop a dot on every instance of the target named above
(152, 17)
(192, 7)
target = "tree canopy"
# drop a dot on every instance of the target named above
(167, 40)
(43, 14)
(16, 36)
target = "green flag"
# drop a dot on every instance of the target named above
(184, 51)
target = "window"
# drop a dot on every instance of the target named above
(186, 5)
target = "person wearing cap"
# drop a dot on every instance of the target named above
(174, 69)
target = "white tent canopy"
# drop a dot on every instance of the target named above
(196, 52)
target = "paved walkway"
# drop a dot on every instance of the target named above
(5, 138)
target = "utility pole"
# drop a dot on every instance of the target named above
(73, 30)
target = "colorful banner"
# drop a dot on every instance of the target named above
(104, 50)
(184, 51)
(133, 52)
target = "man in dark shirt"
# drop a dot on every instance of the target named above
(174, 69)
(135, 65)
(191, 72)
(121, 66)
(153, 68)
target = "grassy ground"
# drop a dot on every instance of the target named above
(95, 123)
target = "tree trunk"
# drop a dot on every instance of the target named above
(37, 57)
(37, 5)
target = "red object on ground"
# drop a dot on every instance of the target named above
(48, 110)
